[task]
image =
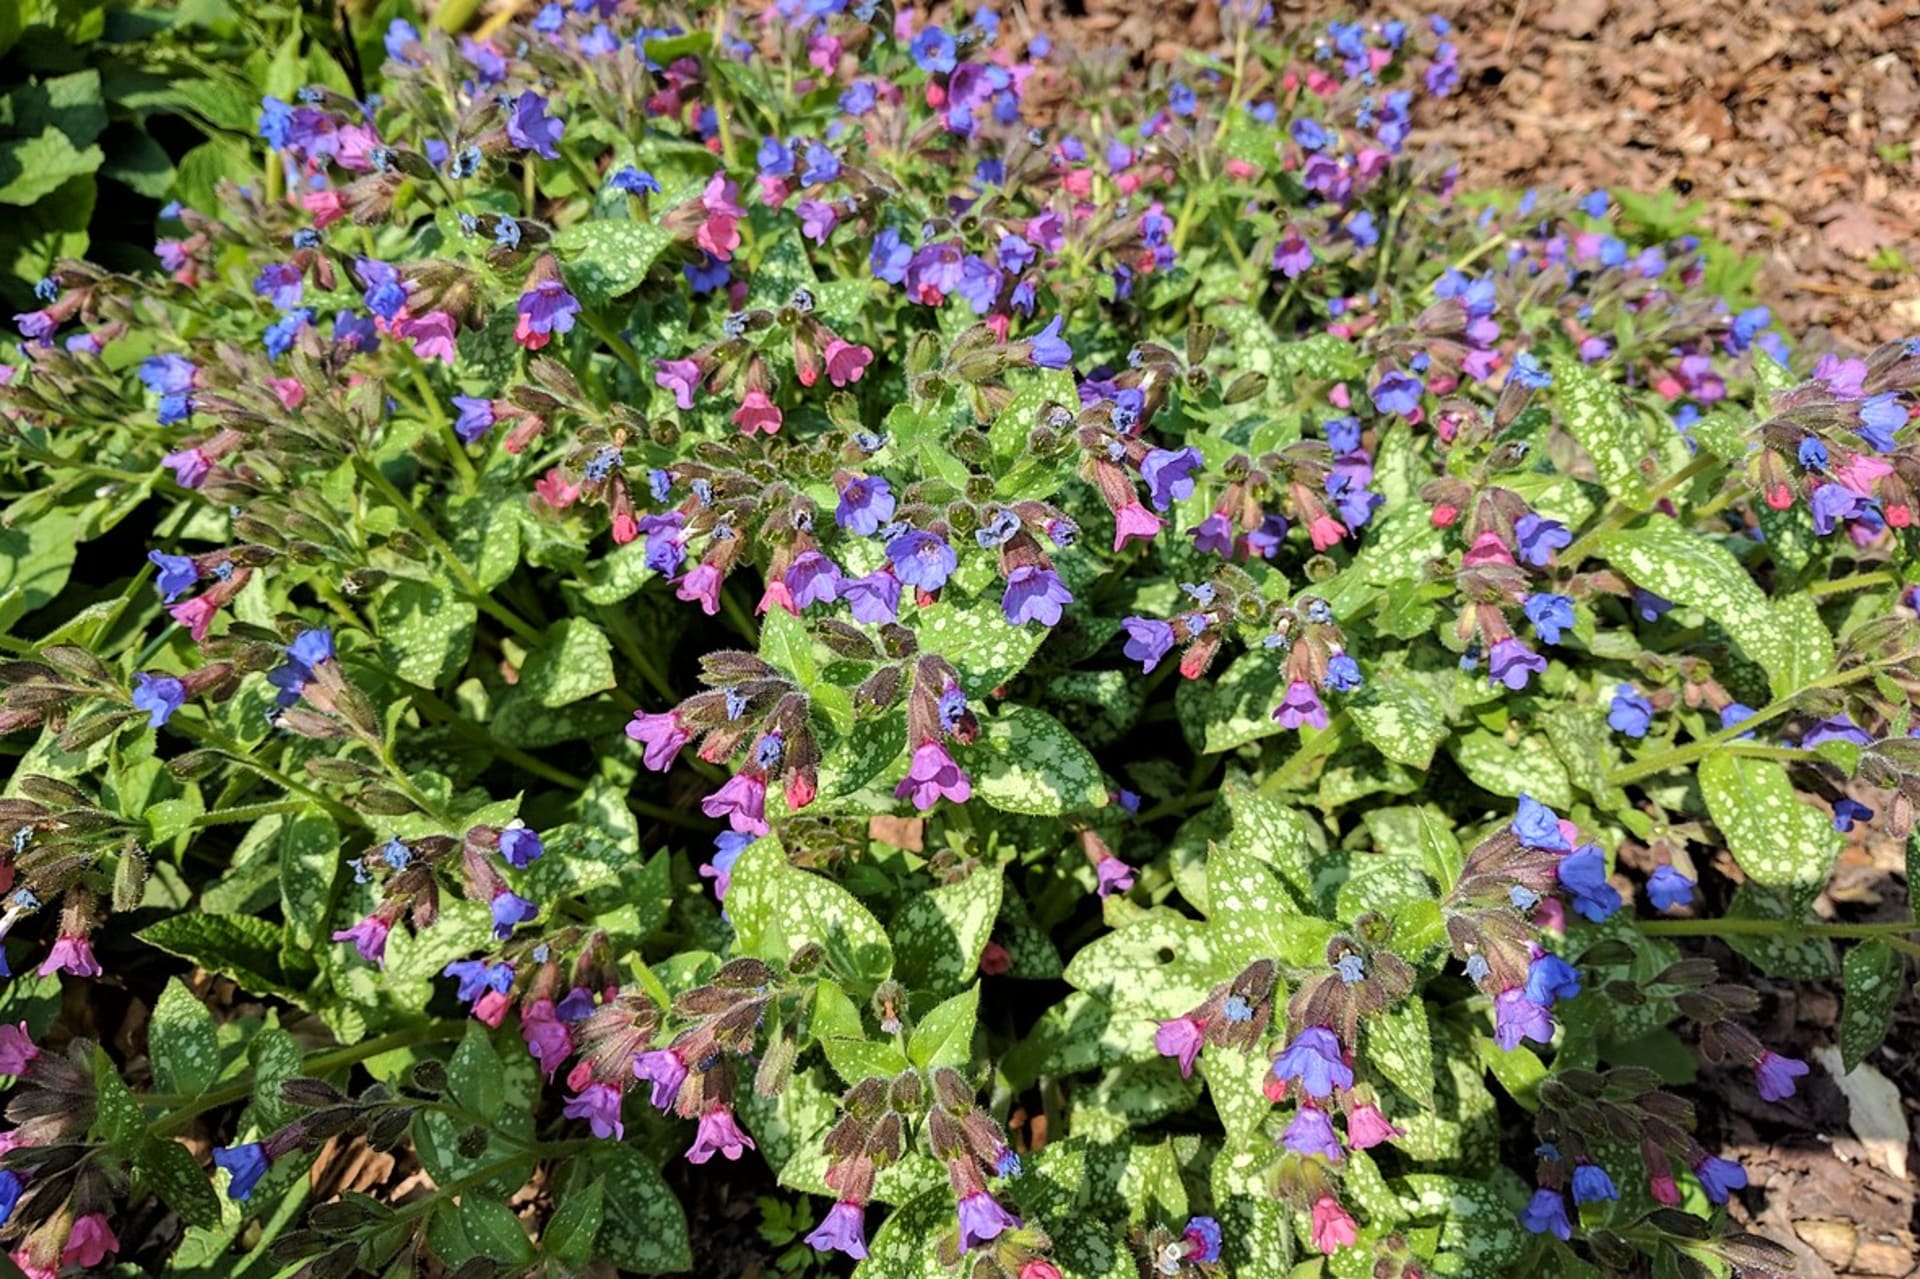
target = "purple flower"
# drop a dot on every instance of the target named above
(176, 577)
(1293, 255)
(1148, 640)
(546, 309)
(1583, 873)
(932, 774)
(280, 284)
(1202, 1237)
(475, 420)
(1314, 1058)
(159, 696)
(874, 598)
(1846, 812)
(531, 128)
(475, 976)
(1591, 1184)
(665, 1071)
(1301, 705)
(663, 735)
(865, 504)
(1050, 351)
(190, 467)
(1537, 538)
(1667, 888)
(1397, 393)
(1774, 1075)
(982, 1220)
(1515, 1017)
(1311, 1133)
(1839, 728)
(1630, 713)
(369, 937)
(1880, 416)
(245, 1165)
(1833, 503)
(1551, 615)
(510, 909)
(1215, 533)
(1719, 1177)
(1113, 876)
(817, 219)
(922, 560)
(520, 846)
(599, 1105)
(727, 847)
(1343, 673)
(1034, 594)
(1547, 1211)
(890, 256)
(1180, 1038)
(719, 1133)
(1846, 378)
(1169, 475)
(682, 377)
(1512, 663)
(812, 578)
(843, 1230)
(742, 800)
(980, 283)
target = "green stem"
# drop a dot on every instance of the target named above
(621, 348)
(248, 812)
(1856, 582)
(671, 816)
(1618, 513)
(1681, 755)
(1891, 934)
(236, 753)
(1324, 743)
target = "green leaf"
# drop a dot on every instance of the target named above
(786, 642)
(1590, 408)
(1779, 841)
(428, 632)
(1399, 720)
(972, 633)
(907, 1244)
(606, 257)
(1271, 831)
(180, 1042)
(486, 534)
(1026, 761)
(493, 1230)
(574, 663)
(944, 1036)
(1235, 1081)
(777, 909)
(1530, 767)
(474, 1073)
(1400, 1046)
(117, 1120)
(309, 856)
(1234, 709)
(939, 934)
(164, 1167)
(616, 575)
(243, 947)
(1162, 965)
(570, 1232)
(1520, 1072)
(644, 1229)
(1253, 915)
(1798, 958)
(1871, 980)
(843, 1037)
(34, 167)
(1475, 1220)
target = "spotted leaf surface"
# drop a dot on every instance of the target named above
(777, 909)
(1591, 410)
(1026, 761)
(1872, 978)
(606, 258)
(1780, 841)
(939, 934)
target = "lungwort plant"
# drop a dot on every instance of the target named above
(1090, 670)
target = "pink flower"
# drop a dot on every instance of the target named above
(1114, 876)
(1487, 549)
(555, 491)
(846, 361)
(195, 614)
(24, 1260)
(17, 1049)
(702, 584)
(1180, 1038)
(757, 413)
(71, 955)
(90, 1243)
(742, 801)
(1661, 1186)
(719, 1133)
(1333, 1228)
(932, 774)
(1134, 520)
(369, 937)
(664, 735)
(326, 206)
(1326, 531)
(432, 335)
(1368, 1127)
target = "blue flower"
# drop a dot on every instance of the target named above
(1546, 1213)
(1668, 888)
(1880, 416)
(158, 695)
(1591, 1184)
(1813, 454)
(933, 51)
(1528, 373)
(1550, 978)
(1583, 873)
(1050, 351)
(634, 181)
(1551, 615)
(177, 575)
(1397, 393)
(245, 1165)
(1630, 713)
(1848, 811)
(1343, 673)
(1537, 826)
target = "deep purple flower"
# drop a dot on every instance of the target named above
(1512, 663)
(369, 937)
(1667, 888)
(520, 847)
(843, 1230)
(280, 283)
(982, 1220)
(1839, 728)
(1583, 873)
(812, 579)
(866, 503)
(1050, 350)
(545, 309)
(1034, 594)
(475, 420)
(1515, 1017)
(599, 1105)
(531, 128)
(932, 774)
(1311, 1133)
(1537, 538)
(1774, 1075)
(1547, 1211)
(1301, 705)
(1397, 393)
(1202, 1237)
(922, 560)
(1314, 1058)
(159, 696)
(1148, 640)
(663, 735)
(1629, 713)
(1215, 533)
(1169, 475)
(742, 800)
(245, 1165)
(1719, 1177)
(1293, 255)
(665, 1071)
(719, 1133)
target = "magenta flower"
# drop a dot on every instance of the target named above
(718, 1133)
(17, 1049)
(931, 775)
(681, 377)
(757, 413)
(1333, 1226)
(1114, 876)
(71, 955)
(846, 361)
(703, 585)
(1367, 1127)
(665, 1071)
(369, 937)
(1180, 1038)
(1300, 706)
(982, 1220)
(1034, 594)
(599, 1105)
(843, 1230)
(90, 1242)
(663, 735)
(1134, 520)
(190, 467)
(742, 801)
